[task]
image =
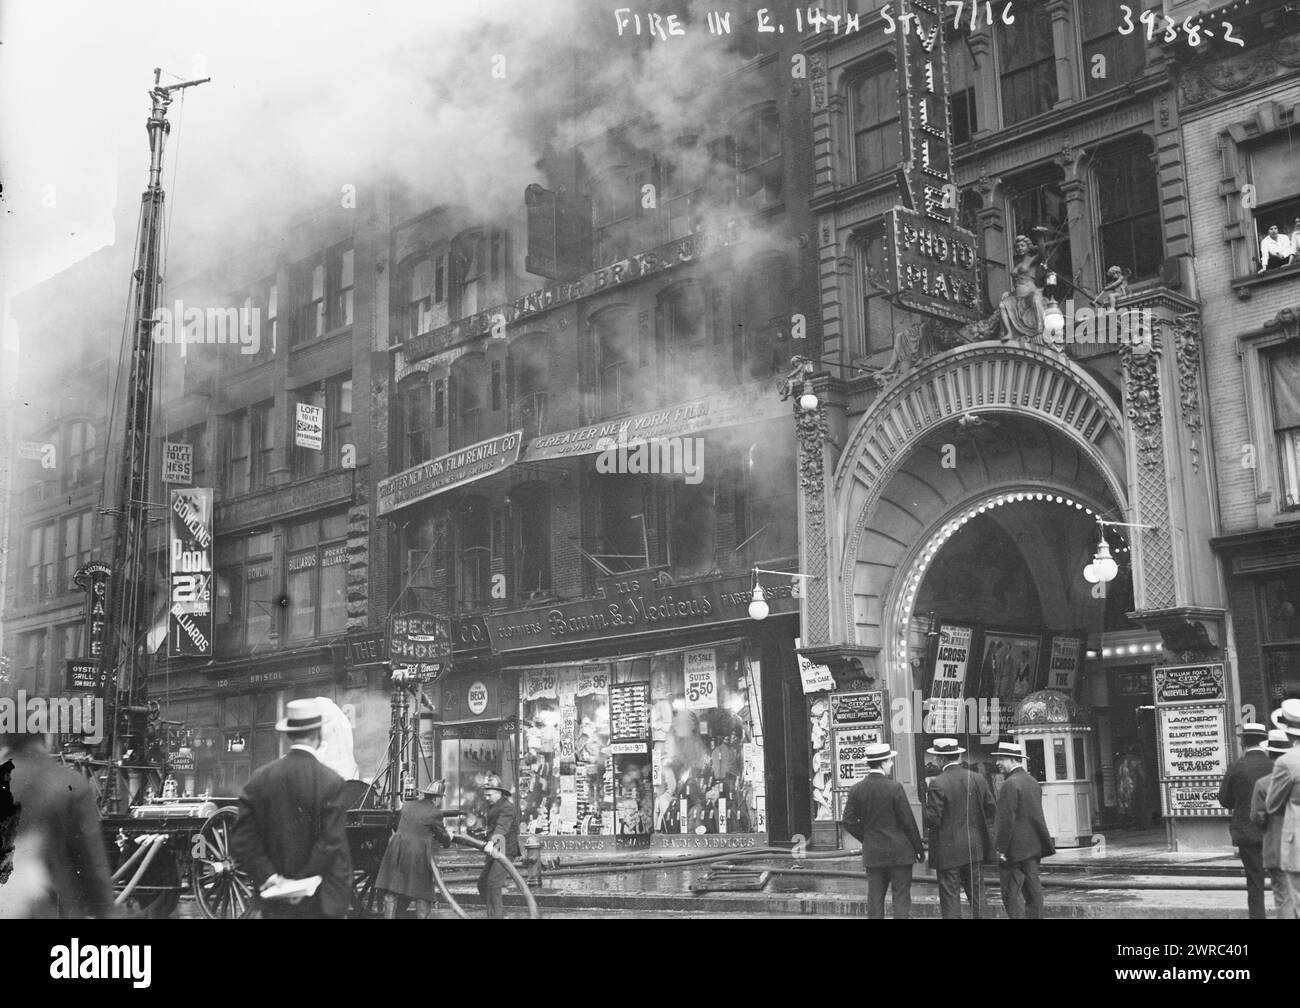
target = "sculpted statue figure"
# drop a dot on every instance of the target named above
(1021, 310)
(1116, 287)
(911, 345)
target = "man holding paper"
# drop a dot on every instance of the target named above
(289, 835)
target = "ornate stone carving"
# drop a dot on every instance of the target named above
(813, 431)
(1233, 73)
(1187, 350)
(1142, 376)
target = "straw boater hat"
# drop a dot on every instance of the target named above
(1012, 750)
(1279, 741)
(945, 747)
(1253, 733)
(878, 752)
(1287, 717)
(301, 716)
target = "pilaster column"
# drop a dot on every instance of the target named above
(987, 115)
(1063, 42)
(1175, 585)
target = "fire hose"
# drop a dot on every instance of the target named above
(155, 843)
(520, 884)
(142, 844)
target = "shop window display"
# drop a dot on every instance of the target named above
(661, 743)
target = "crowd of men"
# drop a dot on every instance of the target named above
(967, 828)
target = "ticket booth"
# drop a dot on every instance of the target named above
(1054, 731)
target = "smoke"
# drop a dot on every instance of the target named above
(452, 104)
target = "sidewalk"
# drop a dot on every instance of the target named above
(1134, 879)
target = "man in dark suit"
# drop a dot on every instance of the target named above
(959, 815)
(59, 868)
(1279, 744)
(290, 823)
(1022, 836)
(876, 812)
(1235, 793)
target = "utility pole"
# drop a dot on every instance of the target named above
(127, 681)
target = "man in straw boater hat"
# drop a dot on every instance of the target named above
(959, 815)
(877, 813)
(502, 824)
(1235, 793)
(290, 823)
(1284, 799)
(1279, 744)
(1022, 838)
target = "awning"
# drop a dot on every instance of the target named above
(455, 469)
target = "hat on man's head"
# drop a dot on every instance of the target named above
(1013, 750)
(434, 789)
(492, 782)
(1287, 717)
(1253, 733)
(878, 752)
(1279, 741)
(945, 747)
(301, 716)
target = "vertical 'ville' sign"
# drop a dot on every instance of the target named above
(923, 103)
(931, 264)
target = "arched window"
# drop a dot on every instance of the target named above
(1128, 204)
(1038, 200)
(877, 143)
(469, 398)
(760, 165)
(414, 434)
(530, 374)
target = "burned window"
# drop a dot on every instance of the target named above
(530, 378)
(531, 506)
(419, 298)
(684, 340)
(414, 418)
(473, 553)
(766, 515)
(765, 315)
(615, 366)
(760, 166)
(614, 198)
(469, 399)
(623, 539)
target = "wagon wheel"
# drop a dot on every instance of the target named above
(367, 898)
(222, 889)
